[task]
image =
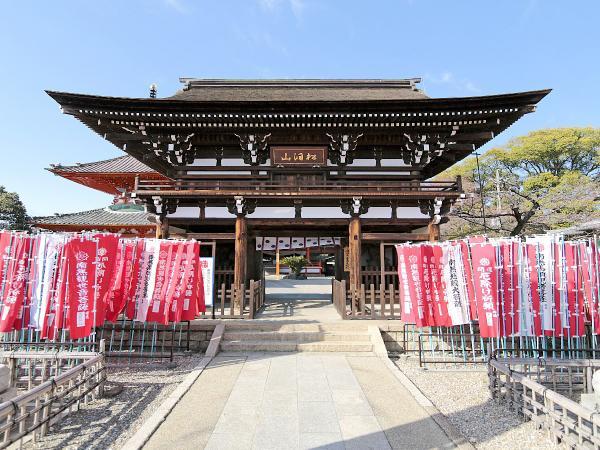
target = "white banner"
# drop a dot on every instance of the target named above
(208, 277)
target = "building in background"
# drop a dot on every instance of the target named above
(117, 177)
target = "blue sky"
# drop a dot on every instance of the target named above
(459, 48)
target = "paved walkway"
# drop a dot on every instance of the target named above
(298, 401)
(300, 300)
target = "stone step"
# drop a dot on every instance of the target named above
(297, 336)
(275, 346)
(255, 325)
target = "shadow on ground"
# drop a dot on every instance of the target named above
(100, 424)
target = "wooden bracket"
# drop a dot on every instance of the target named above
(254, 148)
(355, 207)
(241, 206)
(342, 148)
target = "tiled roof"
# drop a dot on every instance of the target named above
(122, 164)
(298, 90)
(102, 216)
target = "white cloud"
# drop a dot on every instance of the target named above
(176, 5)
(269, 5)
(449, 79)
(529, 10)
(296, 6)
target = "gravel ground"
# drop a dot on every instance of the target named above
(108, 422)
(463, 397)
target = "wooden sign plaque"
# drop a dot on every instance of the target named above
(299, 156)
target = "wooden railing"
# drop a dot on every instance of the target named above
(32, 412)
(224, 275)
(368, 302)
(566, 420)
(256, 297)
(372, 275)
(236, 303)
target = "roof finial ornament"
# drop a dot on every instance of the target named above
(153, 90)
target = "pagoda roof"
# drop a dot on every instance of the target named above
(219, 90)
(111, 216)
(110, 175)
(120, 165)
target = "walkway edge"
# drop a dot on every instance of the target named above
(145, 432)
(379, 349)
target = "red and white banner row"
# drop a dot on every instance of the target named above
(542, 286)
(75, 282)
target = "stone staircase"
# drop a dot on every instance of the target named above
(255, 336)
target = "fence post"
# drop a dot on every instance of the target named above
(251, 300)
(344, 298)
(100, 368)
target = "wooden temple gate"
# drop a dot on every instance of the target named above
(362, 152)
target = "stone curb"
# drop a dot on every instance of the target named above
(215, 341)
(458, 439)
(145, 432)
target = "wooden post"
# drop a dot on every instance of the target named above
(277, 261)
(241, 247)
(354, 241)
(239, 271)
(434, 232)
(162, 227)
(165, 228)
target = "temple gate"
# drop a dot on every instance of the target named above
(350, 159)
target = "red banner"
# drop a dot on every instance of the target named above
(439, 306)
(81, 279)
(16, 276)
(5, 241)
(105, 266)
(486, 288)
(192, 291)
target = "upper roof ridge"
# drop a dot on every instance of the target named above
(301, 82)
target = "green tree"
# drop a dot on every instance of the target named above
(547, 179)
(13, 215)
(295, 263)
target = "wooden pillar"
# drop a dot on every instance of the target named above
(241, 249)
(277, 266)
(434, 232)
(162, 227)
(354, 243)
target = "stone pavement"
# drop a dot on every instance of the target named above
(302, 300)
(298, 401)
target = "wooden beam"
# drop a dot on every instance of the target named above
(395, 236)
(342, 192)
(211, 236)
(283, 223)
